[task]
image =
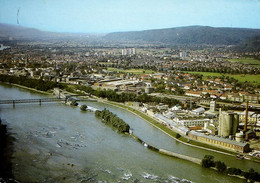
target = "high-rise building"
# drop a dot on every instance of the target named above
(183, 54)
(128, 51)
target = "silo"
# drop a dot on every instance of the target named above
(239, 137)
(227, 124)
(235, 124)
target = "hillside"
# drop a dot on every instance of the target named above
(18, 32)
(251, 45)
(187, 35)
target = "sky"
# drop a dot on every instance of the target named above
(103, 16)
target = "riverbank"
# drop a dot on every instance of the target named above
(166, 152)
(168, 131)
(177, 155)
(27, 88)
(32, 89)
(155, 123)
(6, 151)
(104, 142)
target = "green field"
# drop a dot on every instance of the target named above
(250, 61)
(134, 71)
(255, 79)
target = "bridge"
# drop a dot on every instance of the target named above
(43, 100)
(40, 101)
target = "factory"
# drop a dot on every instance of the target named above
(228, 123)
(220, 142)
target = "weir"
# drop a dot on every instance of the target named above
(167, 153)
(180, 156)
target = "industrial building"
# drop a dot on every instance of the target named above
(228, 123)
(220, 142)
(196, 122)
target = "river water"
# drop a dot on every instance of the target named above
(60, 143)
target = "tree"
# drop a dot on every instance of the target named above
(178, 135)
(234, 171)
(221, 166)
(208, 161)
(253, 175)
(109, 118)
(83, 107)
(73, 103)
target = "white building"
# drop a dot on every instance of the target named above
(198, 111)
(197, 122)
(128, 51)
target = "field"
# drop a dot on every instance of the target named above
(255, 79)
(134, 71)
(250, 61)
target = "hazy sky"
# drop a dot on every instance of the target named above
(102, 16)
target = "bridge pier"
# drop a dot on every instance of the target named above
(13, 103)
(40, 101)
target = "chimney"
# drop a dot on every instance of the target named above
(246, 116)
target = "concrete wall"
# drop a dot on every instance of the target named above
(180, 156)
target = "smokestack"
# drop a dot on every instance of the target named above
(246, 116)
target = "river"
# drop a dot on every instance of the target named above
(60, 143)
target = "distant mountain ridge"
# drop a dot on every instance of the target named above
(187, 35)
(191, 35)
(18, 32)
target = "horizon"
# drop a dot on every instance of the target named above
(99, 33)
(102, 17)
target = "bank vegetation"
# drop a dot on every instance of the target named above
(112, 119)
(251, 175)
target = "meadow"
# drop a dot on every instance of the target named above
(249, 61)
(254, 79)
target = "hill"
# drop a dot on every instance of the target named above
(18, 32)
(251, 45)
(196, 35)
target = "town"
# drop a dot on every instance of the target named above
(217, 97)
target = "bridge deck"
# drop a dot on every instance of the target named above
(31, 100)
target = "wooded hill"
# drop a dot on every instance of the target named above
(251, 45)
(195, 35)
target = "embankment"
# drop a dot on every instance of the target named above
(165, 152)
(168, 131)
(180, 156)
